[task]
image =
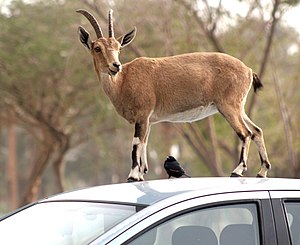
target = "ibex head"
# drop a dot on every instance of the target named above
(105, 51)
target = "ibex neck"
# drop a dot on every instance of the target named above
(111, 85)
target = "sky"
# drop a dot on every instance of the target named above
(290, 17)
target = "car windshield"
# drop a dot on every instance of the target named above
(62, 222)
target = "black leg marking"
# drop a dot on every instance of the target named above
(261, 159)
(257, 129)
(264, 162)
(134, 157)
(137, 130)
(268, 165)
(137, 134)
(242, 154)
(241, 136)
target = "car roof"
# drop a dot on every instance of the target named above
(153, 191)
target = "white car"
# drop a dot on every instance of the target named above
(210, 211)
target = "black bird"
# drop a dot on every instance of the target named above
(173, 168)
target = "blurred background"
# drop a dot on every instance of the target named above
(59, 131)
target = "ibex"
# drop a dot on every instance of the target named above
(181, 88)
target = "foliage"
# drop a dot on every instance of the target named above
(48, 89)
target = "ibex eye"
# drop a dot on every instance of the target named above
(98, 50)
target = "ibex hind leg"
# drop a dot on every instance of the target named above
(242, 166)
(235, 119)
(257, 137)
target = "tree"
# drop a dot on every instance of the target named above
(48, 93)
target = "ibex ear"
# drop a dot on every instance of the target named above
(127, 38)
(84, 38)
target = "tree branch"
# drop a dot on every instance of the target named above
(209, 32)
(274, 20)
(292, 156)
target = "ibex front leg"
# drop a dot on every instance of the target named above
(139, 158)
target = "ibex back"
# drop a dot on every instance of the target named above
(182, 88)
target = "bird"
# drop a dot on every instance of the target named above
(173, 168)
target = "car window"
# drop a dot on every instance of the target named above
(293, 217)
(219, 225)
(62, 222)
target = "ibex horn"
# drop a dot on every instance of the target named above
(92, 20)
(110, 24)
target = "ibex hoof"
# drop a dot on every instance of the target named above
(260, 176)
(235, 175)
(131, 179)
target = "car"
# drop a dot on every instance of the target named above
(210, 211)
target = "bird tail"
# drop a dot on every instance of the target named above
(186, 175)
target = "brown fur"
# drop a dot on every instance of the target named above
(175, 84)
(179, 88)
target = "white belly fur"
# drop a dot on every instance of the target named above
(190, 115)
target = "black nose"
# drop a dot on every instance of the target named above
(117, 65)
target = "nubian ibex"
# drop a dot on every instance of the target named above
(181, 88)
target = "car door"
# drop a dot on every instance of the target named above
(286, 206)
(221, 219)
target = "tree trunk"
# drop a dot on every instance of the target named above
(216, 164)
(292, 156)
(12, 175)
(58, 175)
(34, 179)
(267, 50)
(59, 165)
